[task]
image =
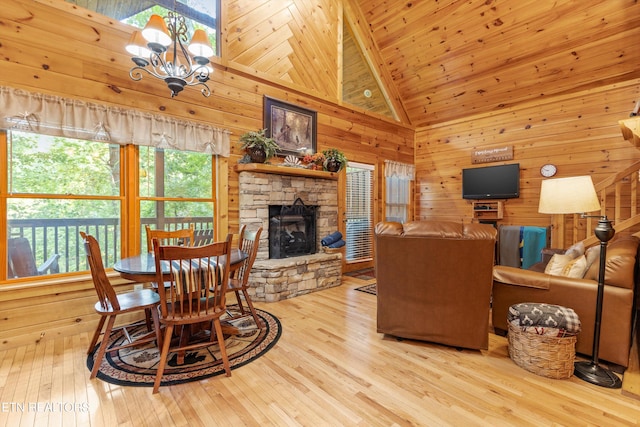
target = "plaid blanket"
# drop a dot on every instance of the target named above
(538, 316)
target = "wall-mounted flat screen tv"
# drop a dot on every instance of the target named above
(491, 182)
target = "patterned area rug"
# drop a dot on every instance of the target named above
(370, 289)
(136, 366)
(364, 274)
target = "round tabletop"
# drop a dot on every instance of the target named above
(142, 268)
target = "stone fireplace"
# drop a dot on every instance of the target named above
(268, 191)
(292, 230)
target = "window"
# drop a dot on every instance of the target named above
(398, 177)
(176, 191)
(58, 186)
(198, 13)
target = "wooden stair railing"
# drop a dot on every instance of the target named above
(618, 200)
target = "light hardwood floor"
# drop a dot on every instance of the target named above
(330, 368)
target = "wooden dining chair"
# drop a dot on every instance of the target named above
(182, 237)
(110, 305)
(249, 242)
(196, 294)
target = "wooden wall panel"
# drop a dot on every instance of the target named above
(255, 28)
(578, 132)
(54, 47)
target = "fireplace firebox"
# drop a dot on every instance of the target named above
(292, 230)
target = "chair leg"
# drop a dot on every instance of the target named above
(163, 357)
(223, 348)
(103, 347)
(96, 334)
(156, 326)
(247, 298)
(239, 300)
(147, 318)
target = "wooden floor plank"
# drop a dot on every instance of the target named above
(330, 367)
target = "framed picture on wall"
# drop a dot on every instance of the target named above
(294, 128)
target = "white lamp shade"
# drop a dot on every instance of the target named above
(568, 195)
(200, 45)
(137, 46)
(156, 31)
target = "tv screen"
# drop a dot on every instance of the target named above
(491, 182)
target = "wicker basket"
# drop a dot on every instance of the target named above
(544, 355)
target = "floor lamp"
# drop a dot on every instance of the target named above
(577, 195)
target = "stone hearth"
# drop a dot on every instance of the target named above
(264, 185)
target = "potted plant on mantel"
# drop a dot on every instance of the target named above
(335, 159)
(258, 146)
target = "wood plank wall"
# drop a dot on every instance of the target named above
(283, 49)
(578, 132)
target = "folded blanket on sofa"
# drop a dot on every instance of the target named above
(331, 238)
(340, 243)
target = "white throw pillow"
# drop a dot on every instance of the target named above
(556, 264)
(576, 267)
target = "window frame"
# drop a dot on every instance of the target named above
(129, 199)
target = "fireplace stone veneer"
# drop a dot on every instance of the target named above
(263, 185)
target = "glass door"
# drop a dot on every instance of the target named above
(359, 212)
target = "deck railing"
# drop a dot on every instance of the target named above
(62, 236)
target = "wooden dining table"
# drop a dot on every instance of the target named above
(142, 268)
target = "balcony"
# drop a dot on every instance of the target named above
(48, 237)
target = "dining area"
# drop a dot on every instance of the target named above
(179, 300)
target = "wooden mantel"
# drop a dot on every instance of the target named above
(284, 170)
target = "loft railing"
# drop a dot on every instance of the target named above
(62, 236)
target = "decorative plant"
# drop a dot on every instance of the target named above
(315, 160)
(254, 140)
(335, 155)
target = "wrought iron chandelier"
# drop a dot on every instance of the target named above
(160, 50)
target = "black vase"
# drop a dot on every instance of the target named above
(257, 154)
(333, 165)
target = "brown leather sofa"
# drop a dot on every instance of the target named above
(514, 285)
(434, 281)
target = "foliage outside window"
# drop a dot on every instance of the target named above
(57, 187)
(199, 14)
(176, 191)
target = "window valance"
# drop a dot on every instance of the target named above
(57, 116)
(399, 170)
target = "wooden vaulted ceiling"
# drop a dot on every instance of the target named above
(432, 61)
(453, 58)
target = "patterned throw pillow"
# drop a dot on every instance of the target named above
(575, 250)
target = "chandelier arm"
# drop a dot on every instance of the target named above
(178, 71)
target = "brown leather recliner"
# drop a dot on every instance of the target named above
(514, 285)
(434, 281)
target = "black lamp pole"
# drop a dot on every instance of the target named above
(591, 371)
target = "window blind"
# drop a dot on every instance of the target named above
(359, 236)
